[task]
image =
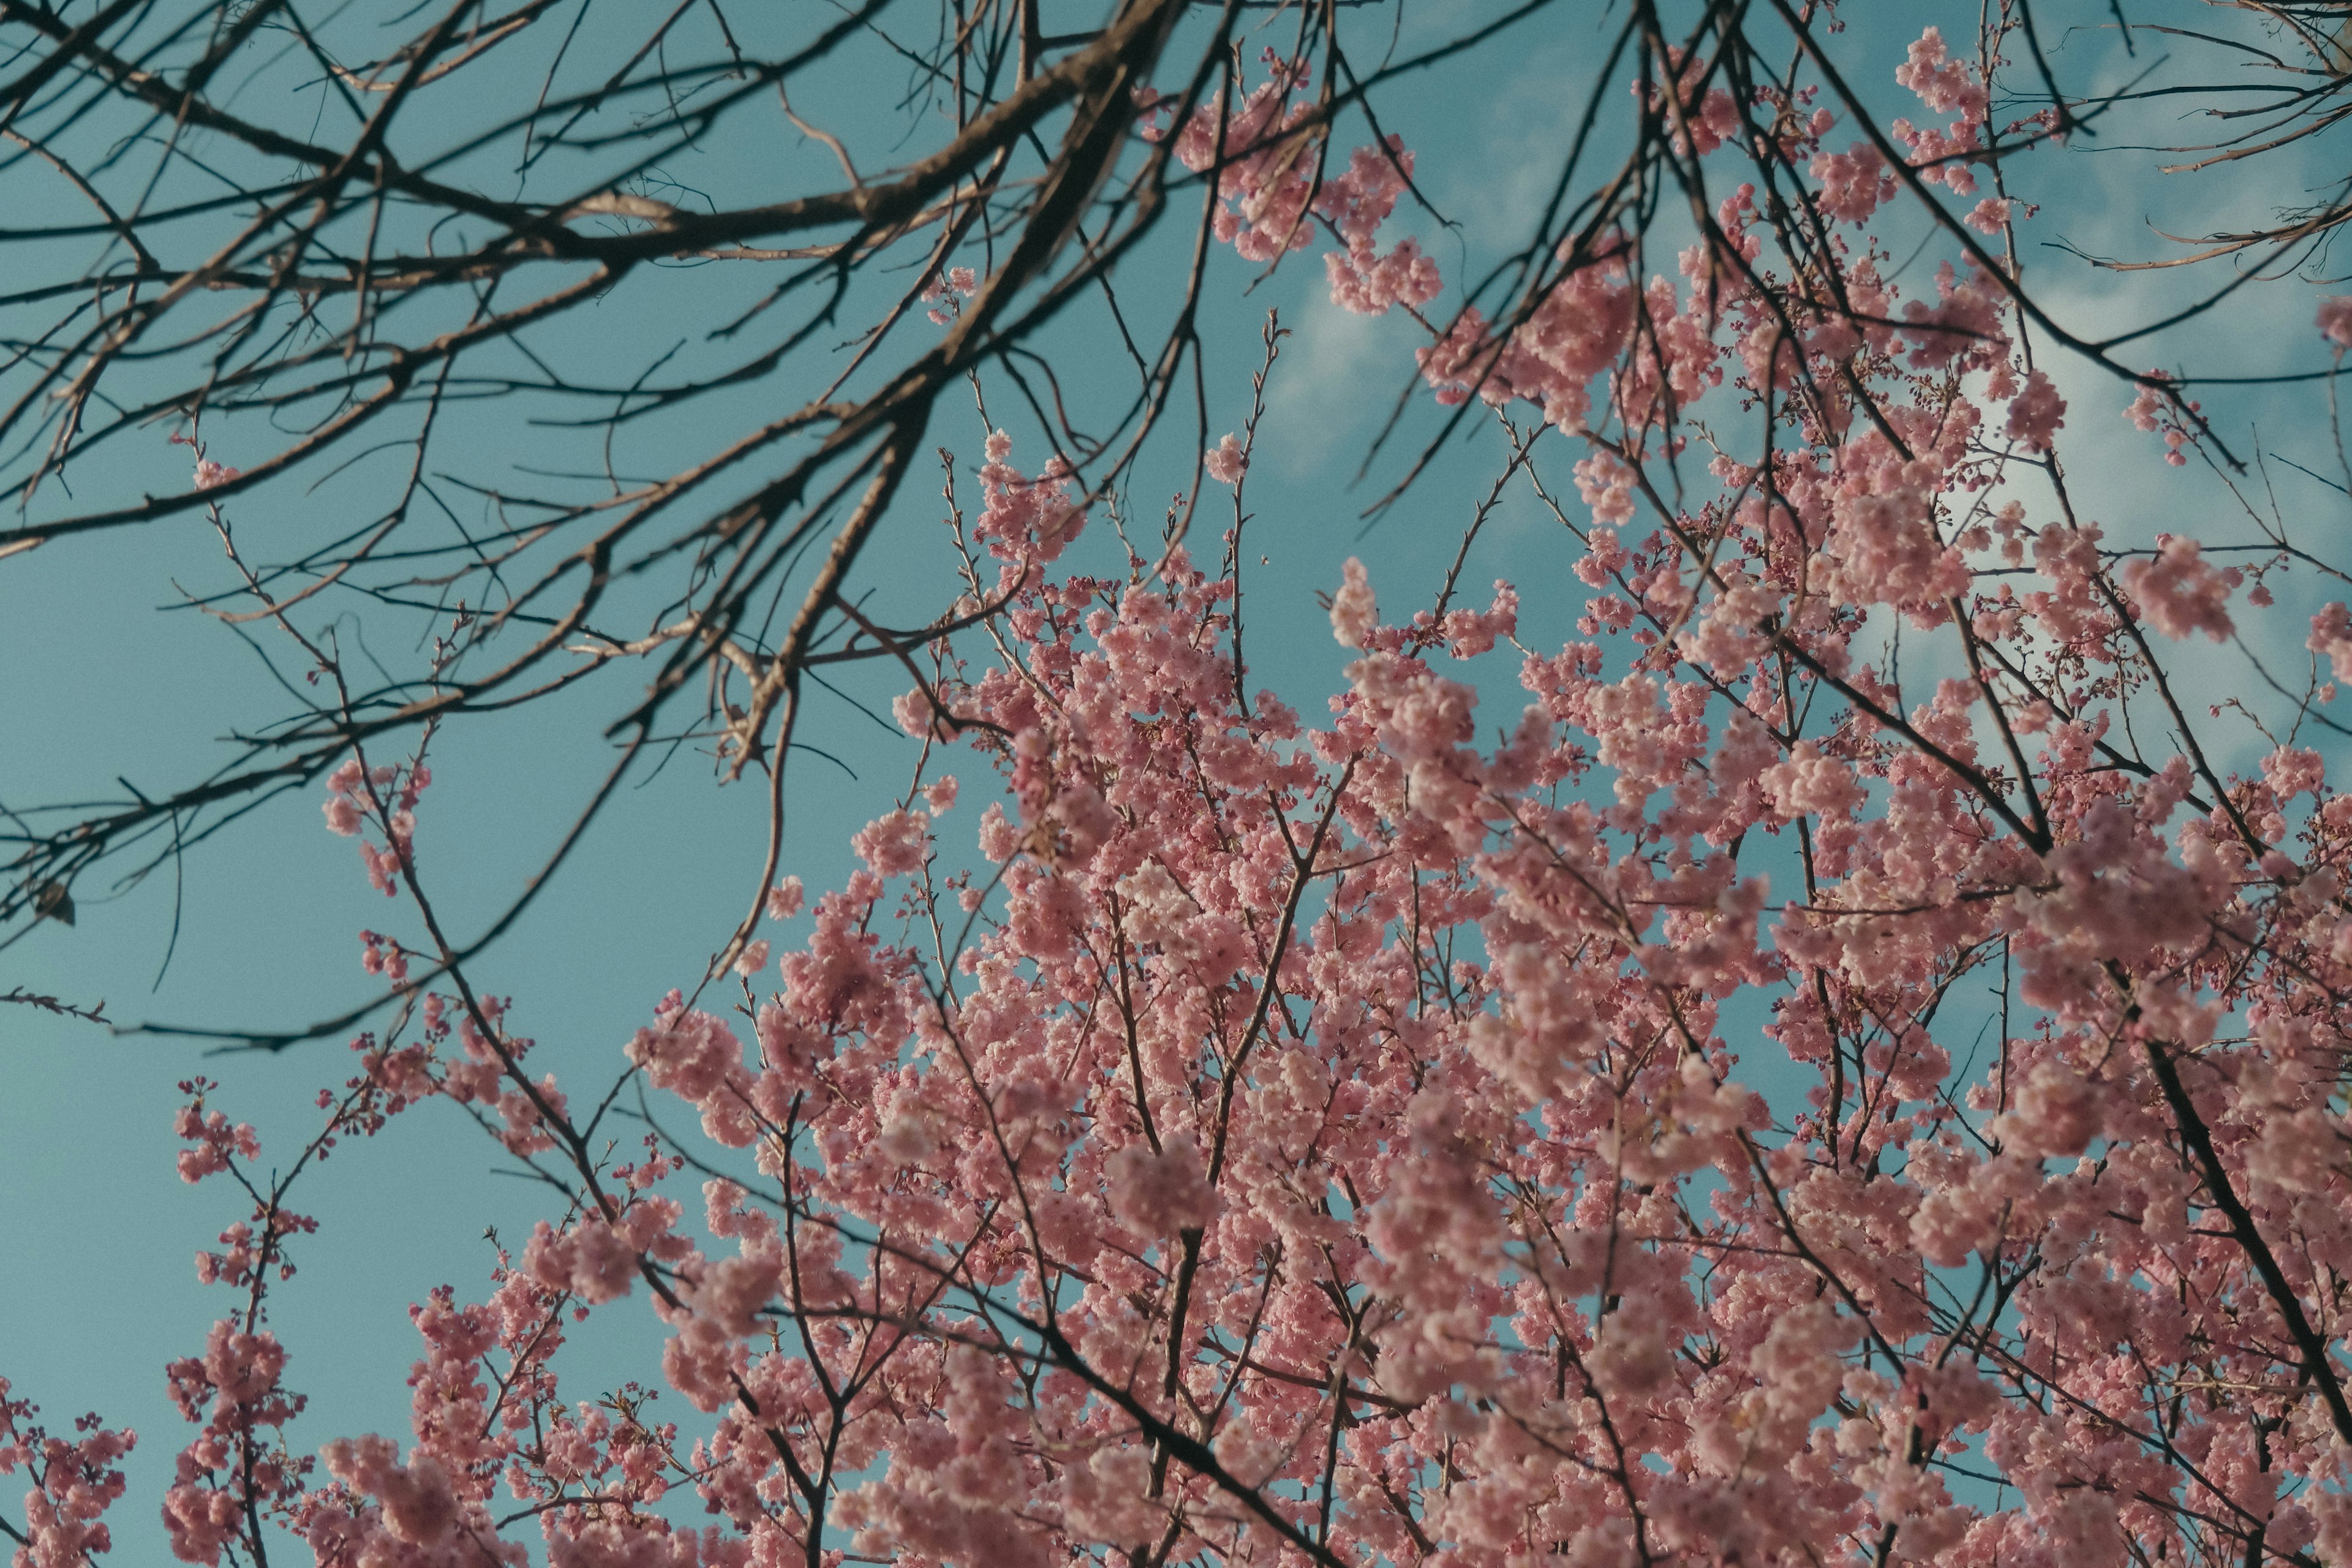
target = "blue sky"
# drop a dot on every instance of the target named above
(102, 683)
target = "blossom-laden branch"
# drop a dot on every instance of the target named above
(1349, 1144)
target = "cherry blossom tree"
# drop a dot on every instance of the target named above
(1751, 1100)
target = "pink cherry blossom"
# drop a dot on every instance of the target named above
(2336, 321)
(1353, 612)
(2180, 592)
(2037, 414)
(1226, 460)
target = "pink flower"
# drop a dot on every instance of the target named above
(2056, 1113)
(1354, 612)
(1365, 283)
(1943, 84)
(1226, 461)
(1991, 215)
(2036, 413)
(2331, 637)
(2336, 321)
(1810, 783)
(1161, 1194)
(593, 1261)
(2179, 594)
(896, 844)
(1853, 183)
